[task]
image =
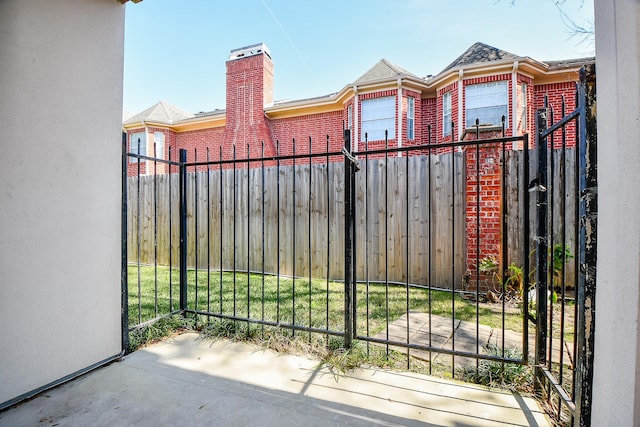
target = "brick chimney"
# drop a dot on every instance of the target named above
(249, 90)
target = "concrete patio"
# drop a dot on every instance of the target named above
(188, 381)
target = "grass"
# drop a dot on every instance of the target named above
(319, 304)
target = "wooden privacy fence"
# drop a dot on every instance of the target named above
(410, 218)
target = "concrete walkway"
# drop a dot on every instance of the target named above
(187, 381)
(446, 332)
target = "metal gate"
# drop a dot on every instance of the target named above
(425, 253)
(564, 353)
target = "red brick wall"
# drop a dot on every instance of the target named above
(197, 142)
(555, 93)
(314, 126)
(429, 117)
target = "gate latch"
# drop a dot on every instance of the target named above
(536, 186)
(352, 158)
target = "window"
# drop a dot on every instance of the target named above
(487, 102)
(446, 114)
(411, 118)
(350, 117)
(523, 106)
(378, 115)
(158, 137)
(137, 144)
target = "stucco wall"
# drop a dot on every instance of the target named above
(60, 110)
(616, 384)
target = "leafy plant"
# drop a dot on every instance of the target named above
(491, 373)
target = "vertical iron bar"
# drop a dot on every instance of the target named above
(309, 234)
(170, 238)
(453, 260)
(221, 228)
(386, 237)
(354, 247)
(124, 265)
(526, 231)
(293, 236)
(408, 257)
(248, 236)
(328, 236)
(155, 231)
(208, 235)
(277, 232)
(263, 227)
(235, 215)
(429, 244)
(477, 262)
(541, 242)
(183, 230)
(348, 223)
(196, 242)
(551, 232)
(505, 233)
(563, 244)
(138, 237)
(366, 232)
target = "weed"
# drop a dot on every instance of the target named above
(511, 376)
(158, 330)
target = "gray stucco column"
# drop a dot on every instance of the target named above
(616, 385)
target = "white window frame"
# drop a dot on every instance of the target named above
(523, 103)
(411, 114)
(378, 115)
(134, 144)
(158, 139)
(446, 114)
(488, 102)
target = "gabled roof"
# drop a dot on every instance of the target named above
(162, 112)
(480, 52)
(384, 70)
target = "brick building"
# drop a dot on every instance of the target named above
(484, 84)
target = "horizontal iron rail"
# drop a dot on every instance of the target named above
(439, 145)
(267, 323)
(557, 387)
(153, 159)
(440, 350)
(267, 158)
(155, 319)
(565, 120)
(324, 154)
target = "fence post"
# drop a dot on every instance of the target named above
(588, 209)
(183, 229)
(542, 245)
(124, 274)
(348, 242)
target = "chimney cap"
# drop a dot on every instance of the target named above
(255, 49)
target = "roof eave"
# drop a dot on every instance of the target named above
(536, 67)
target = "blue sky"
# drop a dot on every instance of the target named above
(175, 51)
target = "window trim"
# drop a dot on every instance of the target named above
(142, 144)
(411, 115)
(447, 129)
(390, 116)
(159, 148)
(470, 121)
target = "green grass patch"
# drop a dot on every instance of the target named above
(284, 300)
